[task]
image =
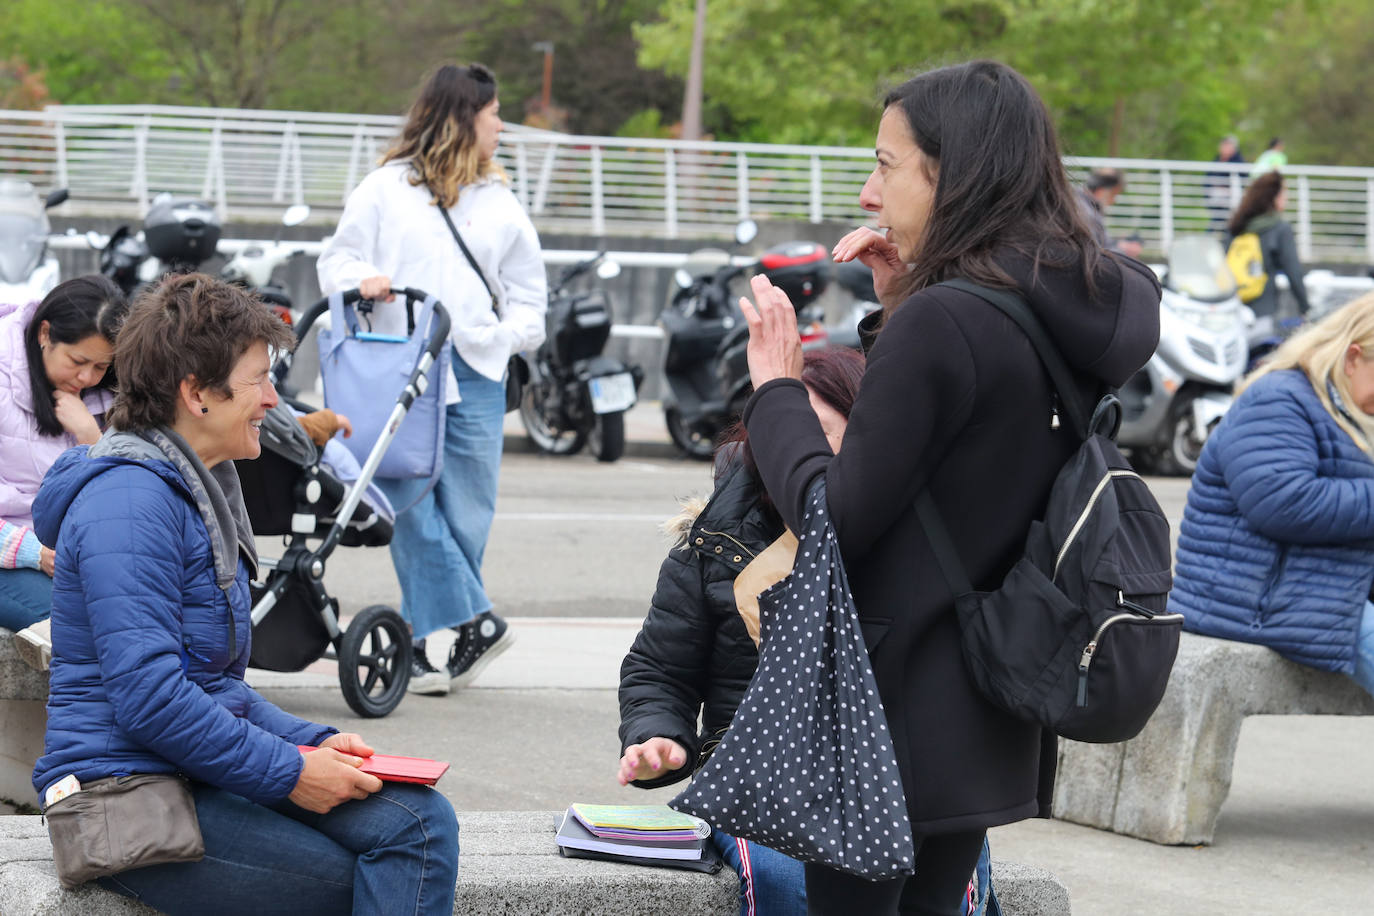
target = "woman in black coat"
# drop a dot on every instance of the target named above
(969, 183)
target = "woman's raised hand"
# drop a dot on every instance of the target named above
(378, 287)
(774, 343)
(877, 253)
(76, 418)
(653, 758)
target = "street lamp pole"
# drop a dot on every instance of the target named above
(546, 93)
(691, 99)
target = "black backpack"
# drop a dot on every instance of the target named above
(1077, 638)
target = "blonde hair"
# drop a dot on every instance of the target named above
(439, 138)
(1319, 351)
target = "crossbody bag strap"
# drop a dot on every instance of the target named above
(448, 220)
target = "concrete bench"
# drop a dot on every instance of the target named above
(509, 865)
(23, 717)
(1167, 784)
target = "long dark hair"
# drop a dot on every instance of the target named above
(999, 179)
(1260, 198)
(439, 138)
(833, 374)
(74, 310)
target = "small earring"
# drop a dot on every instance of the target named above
(205, 410)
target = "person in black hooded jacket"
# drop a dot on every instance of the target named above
(696, 653)
(969, 183)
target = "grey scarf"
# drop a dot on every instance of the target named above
(216, 492)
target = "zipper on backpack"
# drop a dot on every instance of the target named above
(1082, 519)
(1085, 660)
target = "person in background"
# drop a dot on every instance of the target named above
(1276, 546)
(1261, 212)
(54, 390)
(1216, 186)
(1273, 159)
(1098, 195)
(392, 228)
(969, 183)
(151, 619)
(696, 653)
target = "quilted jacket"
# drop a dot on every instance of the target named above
(1277, 541)
(148, 651)
(693, 657)
(25, 452)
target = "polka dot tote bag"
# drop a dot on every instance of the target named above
(807, 766)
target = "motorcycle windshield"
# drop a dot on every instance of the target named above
(1198, 270)
(21, 246)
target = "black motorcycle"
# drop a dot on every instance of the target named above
(577, 396)
(705, 355)
(178, 235)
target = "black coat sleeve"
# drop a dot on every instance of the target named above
(917, 394)
(664, 678)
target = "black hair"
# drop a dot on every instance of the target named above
(74, 310)
(999, 178)
(1106, 178)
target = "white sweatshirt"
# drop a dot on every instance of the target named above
(390, 228)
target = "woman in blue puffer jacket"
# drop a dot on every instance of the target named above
(151, 630)
(1277, 541)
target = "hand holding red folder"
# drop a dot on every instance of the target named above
(390, 768)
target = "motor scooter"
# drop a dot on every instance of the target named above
(253, 265)
(705, 362)
(27, 273)
(576, 395)
(178, 235)
(1173, 403)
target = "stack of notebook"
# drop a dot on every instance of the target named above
(649, 834)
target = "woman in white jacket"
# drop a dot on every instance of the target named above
(392, 228)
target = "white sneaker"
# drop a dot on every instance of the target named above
(34, 644)
(425, 679)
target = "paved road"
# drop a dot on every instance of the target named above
(573, 558)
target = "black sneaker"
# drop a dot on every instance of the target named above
(479, 641)
(425, 678)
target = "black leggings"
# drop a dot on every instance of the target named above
(944, 865)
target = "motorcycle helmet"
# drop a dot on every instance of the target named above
(23, 230)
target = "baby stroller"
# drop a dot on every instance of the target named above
(292, 490)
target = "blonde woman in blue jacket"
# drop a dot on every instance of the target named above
(1277, 541)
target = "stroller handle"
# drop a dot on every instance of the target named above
(439, 333)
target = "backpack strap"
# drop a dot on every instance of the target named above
(1061, 377)
(1014, 307)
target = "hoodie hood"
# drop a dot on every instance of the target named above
(1108, 334)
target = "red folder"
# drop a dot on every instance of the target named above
(390, 768)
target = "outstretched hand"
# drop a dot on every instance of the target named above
(774, 342)
(653, 758)
(878, 254)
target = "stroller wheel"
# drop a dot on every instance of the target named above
(374, 661)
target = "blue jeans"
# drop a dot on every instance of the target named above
(393, 852)
(770, 883)
(438, 544)
(25, 597)
(1364, 650)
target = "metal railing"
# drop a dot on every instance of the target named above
(251, 163)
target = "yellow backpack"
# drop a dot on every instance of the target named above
(1246, 260)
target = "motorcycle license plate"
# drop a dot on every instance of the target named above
(612, 393)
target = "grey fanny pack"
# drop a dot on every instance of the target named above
(123, 822)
